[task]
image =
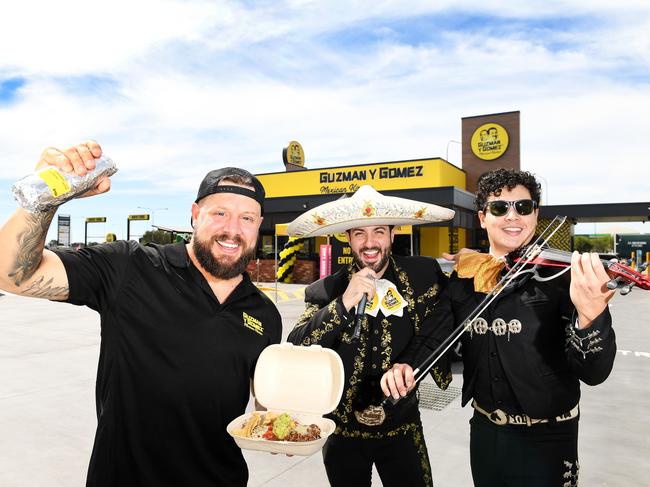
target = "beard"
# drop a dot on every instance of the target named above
(376, 267)
(224, 268)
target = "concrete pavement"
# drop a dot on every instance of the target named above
(48, 361)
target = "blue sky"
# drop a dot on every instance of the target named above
(9, 89)
(203, 84)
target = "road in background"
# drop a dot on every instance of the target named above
(48, 361)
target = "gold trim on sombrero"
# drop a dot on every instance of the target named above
(366, 207)
(368, 210)
(319, 220)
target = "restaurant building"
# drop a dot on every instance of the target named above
(488, 142)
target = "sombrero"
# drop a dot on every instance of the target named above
(364, 208)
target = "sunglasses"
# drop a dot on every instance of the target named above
(501, 207)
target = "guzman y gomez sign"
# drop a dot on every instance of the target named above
(344, 181)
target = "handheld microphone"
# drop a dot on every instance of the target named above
(361, 310)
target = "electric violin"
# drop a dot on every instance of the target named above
(623, 277)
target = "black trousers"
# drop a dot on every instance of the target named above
(401, 460)
(542, 455)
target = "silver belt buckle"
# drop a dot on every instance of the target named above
(371, 416)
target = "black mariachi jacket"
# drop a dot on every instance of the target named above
(544, 357)
(383, 341)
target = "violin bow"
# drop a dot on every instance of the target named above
(427, 364)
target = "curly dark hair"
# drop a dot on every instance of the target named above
(493, 182)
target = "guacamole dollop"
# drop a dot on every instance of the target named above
(282, 426)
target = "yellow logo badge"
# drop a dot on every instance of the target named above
(392, 300)
(252, 323)
(372, 305)
(489, 141)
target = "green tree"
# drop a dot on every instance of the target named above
(582, 243)
(601, 244)
(157, 236)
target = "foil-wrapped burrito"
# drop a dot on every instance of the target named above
(48, 188)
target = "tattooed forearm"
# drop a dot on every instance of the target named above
(40, 289)
(30, 246)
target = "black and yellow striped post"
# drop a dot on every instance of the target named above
(562, 239)
(288, 256)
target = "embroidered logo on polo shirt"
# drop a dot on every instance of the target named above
(252, 323)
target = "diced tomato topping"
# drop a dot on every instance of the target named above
(269, 435)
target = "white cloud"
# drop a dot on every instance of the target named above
(187, 86)
(80, 36)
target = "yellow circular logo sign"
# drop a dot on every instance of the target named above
(341, 237)
(294, 154)
(489, 141)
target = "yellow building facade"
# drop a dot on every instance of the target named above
(288, 194)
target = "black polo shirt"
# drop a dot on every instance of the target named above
(174, 367)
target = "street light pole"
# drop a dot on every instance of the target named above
(447, 153)
(153, 213)
(545, 188)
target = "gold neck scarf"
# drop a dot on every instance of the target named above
(484, 268)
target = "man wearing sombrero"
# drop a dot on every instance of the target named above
(401, 293)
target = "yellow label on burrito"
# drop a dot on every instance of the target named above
(55, 181)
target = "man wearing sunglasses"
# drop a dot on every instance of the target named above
(524, 356)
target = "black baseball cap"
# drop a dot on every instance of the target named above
(210, 184)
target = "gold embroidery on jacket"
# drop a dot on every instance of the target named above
(386, 349)
(368, 435)
(306, 315)
(327, 326)
(421, 448)
(407, 292)
(441, 380)
(344, 410)
(428, 298)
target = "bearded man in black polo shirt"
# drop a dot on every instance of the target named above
(182, 328)
(524, 356)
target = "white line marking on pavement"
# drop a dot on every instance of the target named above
(634, 353)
